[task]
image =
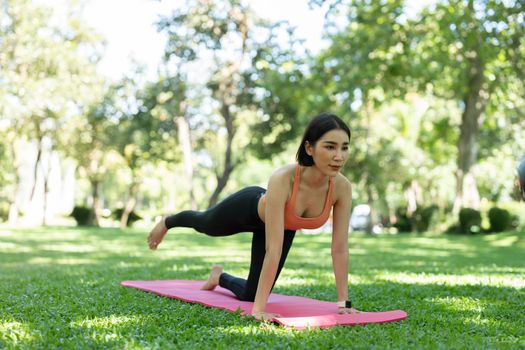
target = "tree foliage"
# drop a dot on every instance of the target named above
(433, 98)
(471, 52)
(248, 73)
(48, 74)
(460, 59)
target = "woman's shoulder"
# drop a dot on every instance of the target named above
(283, 176)
(342, 184)
(285, 171)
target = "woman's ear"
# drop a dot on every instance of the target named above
(308, 148)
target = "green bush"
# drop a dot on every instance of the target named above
(469, 220)
(500, 219)
(117, 214)
(4, 211)
(421, 218)
(82, 215)
(454, 228)
(403, 223)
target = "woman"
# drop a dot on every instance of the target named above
(299, 196)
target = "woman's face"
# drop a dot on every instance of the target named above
(330, 152)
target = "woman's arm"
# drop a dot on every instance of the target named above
(341, 219)
(276, 196)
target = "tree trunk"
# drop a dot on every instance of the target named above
(412, 195)
(370, 201)
(227, 92)
(95, 205)
(228, 165)
(474, 101)
(46, 174)
(44, 201)
(13, 207)
(130, 205)
(185, 144)
(367, 173)
(35, 169)
(471, 197)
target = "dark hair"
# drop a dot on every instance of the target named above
(317, 127)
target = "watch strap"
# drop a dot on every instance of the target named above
(344, 304)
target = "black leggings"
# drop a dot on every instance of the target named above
(236, 213)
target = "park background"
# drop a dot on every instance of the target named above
(433, 97)
(114, 113)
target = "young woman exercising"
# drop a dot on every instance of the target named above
(299, 196)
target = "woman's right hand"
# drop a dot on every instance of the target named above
(264, 316)
(157, 234)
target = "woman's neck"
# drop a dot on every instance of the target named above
(312, 177)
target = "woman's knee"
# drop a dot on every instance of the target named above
(248, 295)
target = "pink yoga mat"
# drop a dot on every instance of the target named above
(296, 312)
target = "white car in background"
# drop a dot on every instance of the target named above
(361, 219)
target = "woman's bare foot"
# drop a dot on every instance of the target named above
(157, 234)
(213, 280)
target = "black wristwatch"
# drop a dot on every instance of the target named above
(344, 304)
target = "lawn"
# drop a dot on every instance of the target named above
(60, 289)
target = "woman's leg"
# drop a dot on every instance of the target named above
(236, 213)
(245, 289)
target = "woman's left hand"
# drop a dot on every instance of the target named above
(265, 316)
(348, 310)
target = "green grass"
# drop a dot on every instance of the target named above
(59, 288)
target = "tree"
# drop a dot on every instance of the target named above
(174, 103)
(219, 29)
(466, 52)
(359, 73)
(92, 146)
(8, 172)
(471, 52)
(228, 33)
(278, 88)
(49, 74)
(141, 134)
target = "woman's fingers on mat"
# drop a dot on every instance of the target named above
(265, 316)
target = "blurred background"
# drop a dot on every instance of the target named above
(113, 113)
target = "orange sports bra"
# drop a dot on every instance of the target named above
(294, 222)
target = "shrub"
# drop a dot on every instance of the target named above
(82, 215)
(500, 219)
(4, 211)
(422, 217)
(469, 220)
(517, 214)
(454, 228)
(117, 214)
(402, 220)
